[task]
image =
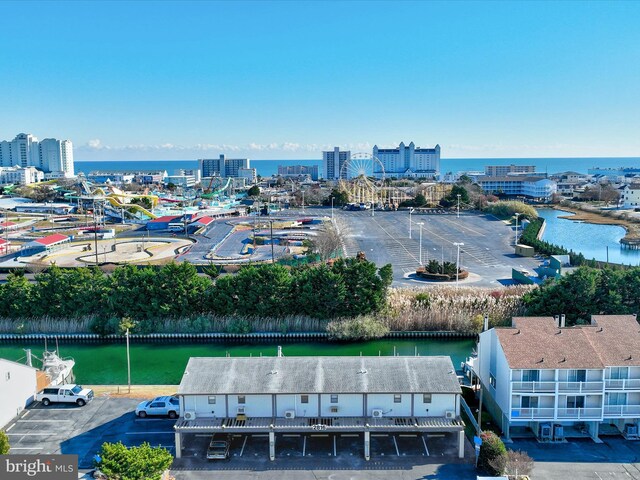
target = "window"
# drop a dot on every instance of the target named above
(576, 376)
(304, 398)
(492, 380)
(531, 375)
(615, 399)
(619, 373)
(158, 405)
(241, 400)
(529, 402)
(397, 398)
(212, 399)
(334, 398)
(575, 402)
(426, 398)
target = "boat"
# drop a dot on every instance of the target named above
(58, 370)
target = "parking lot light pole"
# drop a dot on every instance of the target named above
(458, 205)
(516, 240)
(421, 224)
(410, 212)
(128, 362)
(331, 207)
(458, 261)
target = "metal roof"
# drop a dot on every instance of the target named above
(270, 375)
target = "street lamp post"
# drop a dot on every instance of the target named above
(458, 195)
(410, 212)
(302, 200)
(331, 207)
(421, 224)
(128, 362)
(457, 244)
(271, 228)
(516, 240)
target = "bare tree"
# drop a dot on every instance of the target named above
(515, 464)
(327, 242)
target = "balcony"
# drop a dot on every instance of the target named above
(622, 410)
(580, 387)
(622, 384)
(532, 413)
(579, 413)
(533, 387)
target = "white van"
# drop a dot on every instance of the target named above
(65, 393)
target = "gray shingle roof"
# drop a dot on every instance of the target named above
(266, 375)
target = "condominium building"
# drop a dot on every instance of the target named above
(356, 396)
(222, 166)
(408, 161)
(541, 377)
(537, 188)
(332, 163)
(52, 156)
(630, 195)
(249, 174)
(298, 170)
(20, 175)
(504, 170)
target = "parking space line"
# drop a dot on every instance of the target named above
(10, 427)
(243, 444)
(28, 412)
(27, 448)
(40, 434)
(334, 446)
(304, 446)
(424, 442)
(168, 432)
(46, 420)
(396, 445)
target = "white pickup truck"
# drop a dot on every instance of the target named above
(65, 393)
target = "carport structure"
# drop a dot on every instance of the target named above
(312, 395)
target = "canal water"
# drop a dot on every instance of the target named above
(587, 238)
(164, 363)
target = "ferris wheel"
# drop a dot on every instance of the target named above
(362, 177)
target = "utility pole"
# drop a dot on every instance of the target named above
(271, 227)
(331, 207)
(95, 234)
(128, 362)
(458, 195)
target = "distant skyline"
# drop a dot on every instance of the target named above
(286, 80)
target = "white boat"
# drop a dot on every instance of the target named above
(58, 370)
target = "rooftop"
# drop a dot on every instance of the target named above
(538, 343)
(52, 239)
(510, 178)
(270, 375)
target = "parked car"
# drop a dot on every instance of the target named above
(218, 448)
(159, 406)
(65, 393)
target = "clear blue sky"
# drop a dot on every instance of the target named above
(165, 80)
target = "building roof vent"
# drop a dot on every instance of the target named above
(273, 372)
(362, 371)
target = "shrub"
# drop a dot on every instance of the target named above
(492, 452)
(4, 443)
(360, 328)
(507, 209)
(134, 463)
(104, 326)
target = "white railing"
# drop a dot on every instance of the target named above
(580, 413)
(622, 384)
(578, 387)
(532, 413)
(621, 410)
(533, 387)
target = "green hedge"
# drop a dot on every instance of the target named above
(530, 237)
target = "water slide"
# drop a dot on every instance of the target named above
(217, 191)
(114, 201)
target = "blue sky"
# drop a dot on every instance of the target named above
(165, 80)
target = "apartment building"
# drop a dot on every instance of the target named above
(630, 196)
(333, 395)
(332, 163)
(535, 188)
(222, 166)
(54, 157)
(408, 161)
(542, 378)
(20, 175)
(300, 170)
(504, 170)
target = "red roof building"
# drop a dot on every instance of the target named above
(52, 239)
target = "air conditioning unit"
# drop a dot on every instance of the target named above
(631, 430)
(189, 415)
(376, 413)
(290, 414)
(450, 414)
(240, 411)
(334, 410)
(545, 431)
(558, 432)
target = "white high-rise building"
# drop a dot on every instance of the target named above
(54, 157)
(333, 161)
(222, 167)
(408, 161)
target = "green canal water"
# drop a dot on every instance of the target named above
(163, 363)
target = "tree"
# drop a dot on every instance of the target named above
(4, 443)
(318, 292)
(451, 199)
(144, 202)
(516, 464)
(327, 242)
(253, 191)
(134, 463)
(491, 451)
(340, 198)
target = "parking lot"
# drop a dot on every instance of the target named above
(63, 428)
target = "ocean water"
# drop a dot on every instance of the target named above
(267, 168)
